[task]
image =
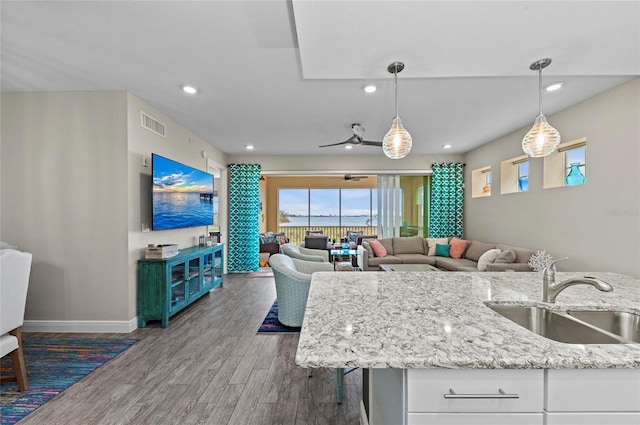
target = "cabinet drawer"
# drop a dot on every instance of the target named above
(592, 390)
(475, 419)
(426, 390)
(599, 418)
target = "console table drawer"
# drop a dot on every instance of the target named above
(475, 390)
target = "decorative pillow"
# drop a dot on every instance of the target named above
(432, 242)
(365, 245)
(378, 249)
(267, 237)
(507, 256)
(442, 250)
(487, 258)
(457, 247)
(352, 236)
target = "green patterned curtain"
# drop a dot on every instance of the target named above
(244, 213)
(445, 212)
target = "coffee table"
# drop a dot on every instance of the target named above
(408, 268)
(338, 255)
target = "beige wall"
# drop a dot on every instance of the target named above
(75, 193)
(355, 163)
(597, 225)
(64, 199)
(180, 145)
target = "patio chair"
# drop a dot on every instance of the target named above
(306, 254)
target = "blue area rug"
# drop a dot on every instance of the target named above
(53, 365)
(270, 324)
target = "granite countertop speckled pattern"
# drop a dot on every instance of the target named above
(440, 320)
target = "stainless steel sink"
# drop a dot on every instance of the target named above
(622, 323)
(557, 326)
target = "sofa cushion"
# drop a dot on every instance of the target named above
(458, 246)
(389, 259)
(442, 250)
(378, 249)
(409, 245)
(476, 249)
(416, 259)
(387, 243)
(487, 258)
(432, 242)
(522, 254)
(507, 256)
(455, 264)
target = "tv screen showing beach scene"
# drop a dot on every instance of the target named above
(182, 195)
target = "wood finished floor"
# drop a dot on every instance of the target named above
(208, 367)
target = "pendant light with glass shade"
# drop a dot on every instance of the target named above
(397, 142)
(542, 139)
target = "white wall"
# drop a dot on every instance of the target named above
(64, 179)
(597, 225)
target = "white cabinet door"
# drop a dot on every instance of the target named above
(592, 418)
(592, 390)
(475, 419)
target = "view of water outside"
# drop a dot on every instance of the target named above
(328, 207)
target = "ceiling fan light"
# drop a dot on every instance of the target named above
(542, 139)
(397, 142)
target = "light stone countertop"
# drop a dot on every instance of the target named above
(440, 320)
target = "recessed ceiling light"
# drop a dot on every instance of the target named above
(189, 89)
(348, 147)
(370, 88)
(249, 147)
(554, 86)
(446, 146)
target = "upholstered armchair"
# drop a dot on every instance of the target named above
(293, 278)
(306, 254)
(15, 267)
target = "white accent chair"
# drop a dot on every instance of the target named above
(15, 267)
(306, 254)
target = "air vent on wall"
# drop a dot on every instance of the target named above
(152, 124)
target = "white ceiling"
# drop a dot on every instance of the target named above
(287, 76)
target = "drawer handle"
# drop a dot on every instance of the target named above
(501, 394)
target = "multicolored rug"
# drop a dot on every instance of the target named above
(53, 365)
(272, 325)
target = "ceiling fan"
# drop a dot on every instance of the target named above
(350, 177)
(356, 139)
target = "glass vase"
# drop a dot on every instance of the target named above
(575, 176)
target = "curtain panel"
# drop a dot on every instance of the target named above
(244, 214)
(447, 195)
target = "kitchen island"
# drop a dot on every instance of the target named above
(414, 331)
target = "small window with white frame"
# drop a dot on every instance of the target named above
(514, 175)
(567, 166)
(481, 182)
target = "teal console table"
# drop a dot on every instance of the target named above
(166, 286)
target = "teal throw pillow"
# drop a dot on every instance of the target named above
(442, 250)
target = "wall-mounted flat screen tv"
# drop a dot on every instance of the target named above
(182, 195)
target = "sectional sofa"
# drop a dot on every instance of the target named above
(418, 250)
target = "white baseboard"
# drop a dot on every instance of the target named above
(81, 326)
